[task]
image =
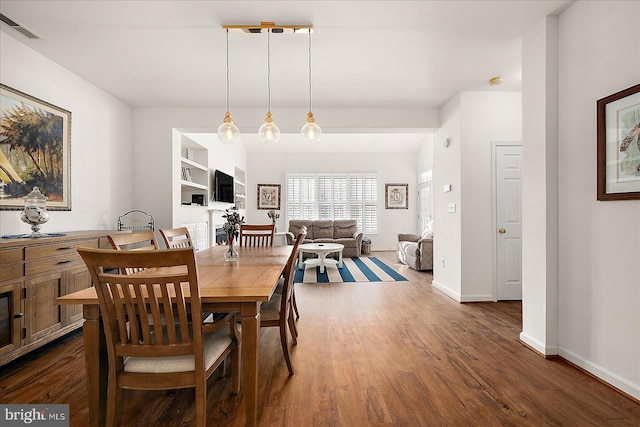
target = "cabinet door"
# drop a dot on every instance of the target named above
(43, 314)
(75, 280)
(11, 317)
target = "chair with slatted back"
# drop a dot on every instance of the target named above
(176, 237)
(181, 351)
(277, 311)
(257, 235)
(142, 241)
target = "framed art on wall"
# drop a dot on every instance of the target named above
(35, 150)
(269, 196)
(396, 196)
(618, 145)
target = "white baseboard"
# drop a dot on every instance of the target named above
(477, 298)
(538, 346)
(457, 297)
(448, 292)
(600, 372)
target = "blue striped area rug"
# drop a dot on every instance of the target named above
(365, 269)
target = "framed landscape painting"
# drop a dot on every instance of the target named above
(396, 196)
(269, 196)
(35, 150)
(618, 145)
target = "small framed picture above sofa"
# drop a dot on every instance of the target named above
(396, 196)
(269, 196)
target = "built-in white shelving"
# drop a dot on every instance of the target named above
(194, 169)
(240, 188)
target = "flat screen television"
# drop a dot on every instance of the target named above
(223, 191)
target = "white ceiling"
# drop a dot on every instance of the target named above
(392, 54)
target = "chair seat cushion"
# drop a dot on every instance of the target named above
(214, 344)
(271, 309)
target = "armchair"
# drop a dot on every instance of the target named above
(416, 251)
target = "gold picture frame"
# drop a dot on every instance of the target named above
(35, 150)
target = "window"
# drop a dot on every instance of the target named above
(334, 196)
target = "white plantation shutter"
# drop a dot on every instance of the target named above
(324, 197)
(340, 197)
(334, 196)
(293, 198)
(307, 196)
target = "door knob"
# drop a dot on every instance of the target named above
(501, 230)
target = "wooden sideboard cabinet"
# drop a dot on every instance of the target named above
(33, 273)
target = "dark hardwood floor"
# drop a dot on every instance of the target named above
(368, 354)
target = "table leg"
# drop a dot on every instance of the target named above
(95, 356)
(300, 262)
(322, 256)
(250, 353)
(340, 264)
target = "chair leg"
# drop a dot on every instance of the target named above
(295, 305)
(235, 355)
(293, 324)
(115, 399)
(285, 347)
(201, 403)
(293, 329)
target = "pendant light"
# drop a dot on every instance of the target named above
(269, 132)
(311, 132)
(228, 132)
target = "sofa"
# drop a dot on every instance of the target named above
(342, 231)
(416, 250)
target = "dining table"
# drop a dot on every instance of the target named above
(240, 286)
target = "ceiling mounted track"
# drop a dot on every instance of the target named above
(20, 28)
(263, 27)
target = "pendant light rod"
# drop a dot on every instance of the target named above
(227, 69)
(309, 69)
(269, 70)
(228, 132)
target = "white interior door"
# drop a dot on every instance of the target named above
(508, 220)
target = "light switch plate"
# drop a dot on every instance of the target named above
(452, 208)
(447, 188)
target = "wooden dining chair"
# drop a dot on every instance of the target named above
(257, 235)
(141, 241)
(277, 311)
(181, 351)
(176, 237)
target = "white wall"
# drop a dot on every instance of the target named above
(101, 141)
(471, 121)
(540, 187)
(425, 155)
(599, 242)
(485, 117)
(447, 237)
(391, 168)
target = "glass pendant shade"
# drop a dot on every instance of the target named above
(269, 132)
(311, 132)
(228, 132)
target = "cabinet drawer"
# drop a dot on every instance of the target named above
(11, 263)
(70, 260)
(57, 249)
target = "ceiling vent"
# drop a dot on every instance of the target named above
(20, 28)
